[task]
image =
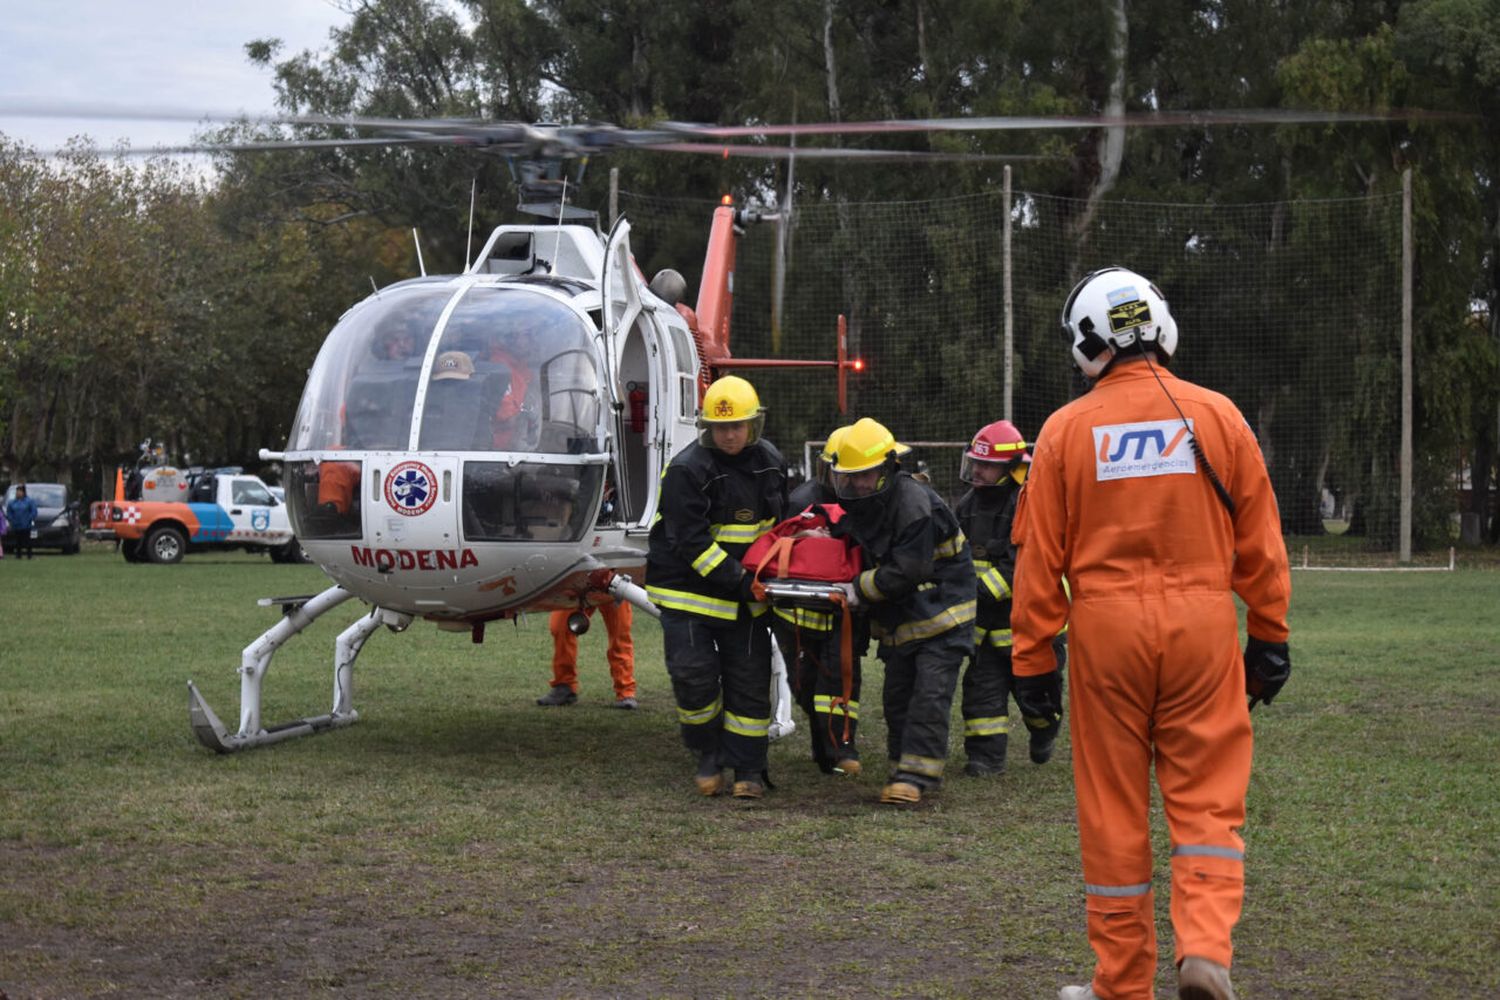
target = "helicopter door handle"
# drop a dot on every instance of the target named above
(236, 510)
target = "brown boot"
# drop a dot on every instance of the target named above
(748, 790)
(710, 777)
(1202, 979)
(849, 766)
(901, 793)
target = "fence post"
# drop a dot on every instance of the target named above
(1406, 364)
(1009, 346)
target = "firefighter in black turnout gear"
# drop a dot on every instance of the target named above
(995, 466)
(717, 496)
(919, 591)
(810, 643)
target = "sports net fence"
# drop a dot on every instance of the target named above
(1292, 309)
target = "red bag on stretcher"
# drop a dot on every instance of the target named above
(801, 548)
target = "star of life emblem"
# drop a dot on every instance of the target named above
(410, 489)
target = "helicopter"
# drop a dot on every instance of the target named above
(476, 446)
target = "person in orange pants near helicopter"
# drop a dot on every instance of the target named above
(1125, 498)
(621, 653)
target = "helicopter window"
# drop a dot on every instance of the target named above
(323, 499)
(362, 388)
(514, 372)
(532, 501)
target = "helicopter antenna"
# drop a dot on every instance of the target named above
(557, 238)
(421, 265)
(469, 249)
(373, 287)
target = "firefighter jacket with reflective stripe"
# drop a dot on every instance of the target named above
(921, 581)
(1116, 502)
(985, 516)
(712, 507)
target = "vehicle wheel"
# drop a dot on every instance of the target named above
(131, 550)
(291, 552)
(165, 544)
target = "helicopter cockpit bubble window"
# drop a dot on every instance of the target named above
(515, 371)
(363, 387)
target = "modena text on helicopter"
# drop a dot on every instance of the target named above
(457, 436)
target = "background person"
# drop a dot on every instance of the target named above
(718, 495)
(517, 422)
(994, 465)
(21, 513)
(620, 652)
(1151, 493)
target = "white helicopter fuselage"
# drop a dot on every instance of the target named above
(471, 446)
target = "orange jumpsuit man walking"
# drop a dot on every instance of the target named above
(1150, 495)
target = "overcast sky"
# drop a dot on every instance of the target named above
(182, 54)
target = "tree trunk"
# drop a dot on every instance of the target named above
(1112, 148)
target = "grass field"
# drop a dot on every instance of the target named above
(460, 842)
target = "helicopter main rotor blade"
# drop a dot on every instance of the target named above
(838, 153)
(1028, 123)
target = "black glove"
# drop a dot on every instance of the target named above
(747, 593)
(1267, 667)
(1040, 699)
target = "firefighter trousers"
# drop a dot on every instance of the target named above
(620, 652)
(987, 685)
(818, 685)
(1158, 682)
(721, 678)
(920, 679)
(986, 697)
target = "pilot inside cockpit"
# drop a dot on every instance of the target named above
(455, 417)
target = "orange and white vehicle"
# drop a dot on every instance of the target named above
(179, 511)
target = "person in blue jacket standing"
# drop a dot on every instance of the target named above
(21, 513)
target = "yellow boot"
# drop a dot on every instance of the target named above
(901, 793)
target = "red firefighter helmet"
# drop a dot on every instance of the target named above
(998, 444)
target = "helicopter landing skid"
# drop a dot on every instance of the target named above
(256, 660)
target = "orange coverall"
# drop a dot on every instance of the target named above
(1116, 503)
(621, 652)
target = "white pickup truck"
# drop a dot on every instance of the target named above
(191, 511)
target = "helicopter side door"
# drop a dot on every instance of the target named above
(636, 380)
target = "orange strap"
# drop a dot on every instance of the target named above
(846, 666)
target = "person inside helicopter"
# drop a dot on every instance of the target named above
(517, 421)
(457, 401)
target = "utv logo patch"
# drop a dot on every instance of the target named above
(1148, 448)
(410, 488)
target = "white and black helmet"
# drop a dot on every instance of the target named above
(1112, 309)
